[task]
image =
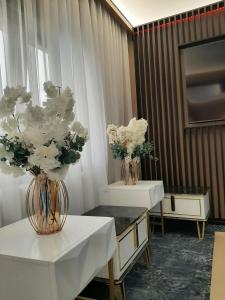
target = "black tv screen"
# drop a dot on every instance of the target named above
(204, 82)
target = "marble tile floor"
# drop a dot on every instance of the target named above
(180, 267)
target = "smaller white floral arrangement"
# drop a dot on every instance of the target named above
(41, 139)
(128, 142)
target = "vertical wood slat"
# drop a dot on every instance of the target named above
(152, 127)
(172, 113)
(156, 87)
(191, 156)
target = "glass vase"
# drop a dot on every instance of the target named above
(46, 204)
(130, 172)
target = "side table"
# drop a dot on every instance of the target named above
(57, 266)
(132, 241)
(186, 204)
(145, 193)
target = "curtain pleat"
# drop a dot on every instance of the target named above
(73, 43)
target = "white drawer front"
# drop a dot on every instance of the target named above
(187, 207)
(142, 231)
(126, 248)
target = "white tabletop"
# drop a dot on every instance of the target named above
(146, 193)
(20, 240)
(143, 185)
(56, 266)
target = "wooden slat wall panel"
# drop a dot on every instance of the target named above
(188, 157)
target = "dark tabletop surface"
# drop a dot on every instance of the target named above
(186, 190)
(124, 215)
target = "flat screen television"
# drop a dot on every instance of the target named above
(203, 67)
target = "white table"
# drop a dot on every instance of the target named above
(57, 266)
(145, 193)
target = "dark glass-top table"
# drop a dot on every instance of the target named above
(124, 215)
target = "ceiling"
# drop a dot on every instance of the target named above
(139, 12)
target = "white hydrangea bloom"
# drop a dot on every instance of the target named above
(44, 157)
(50, 151)
(139, 128)
(5, 154)
(128, 136)
(112, 133)
(125, 135)
(11, 170)
(130, 147)
(36, 127)
(9, 125)
(10, 97)
(33, 115)
(78, 128)
(51, 90)
(61, 106)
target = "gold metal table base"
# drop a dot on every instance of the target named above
(152, 223)
(201, 229)
(110, 283)
(111, 280)
(118, 286)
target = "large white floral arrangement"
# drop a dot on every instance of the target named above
(40, 139)
(128, 142)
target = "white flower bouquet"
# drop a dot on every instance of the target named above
(40, 139)
(128, 144)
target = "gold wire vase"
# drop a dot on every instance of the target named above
(46, 204)
(130, 172)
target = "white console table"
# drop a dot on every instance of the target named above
(57, 266)
(145, 193)
(186, 204)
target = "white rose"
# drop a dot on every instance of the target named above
(44, 157)
(50, 151)
(43, 163)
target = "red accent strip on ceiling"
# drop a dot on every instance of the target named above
(187, 19)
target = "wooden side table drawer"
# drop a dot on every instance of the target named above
(142, 231)
(126, 247)
(186, 206)
(182, 206)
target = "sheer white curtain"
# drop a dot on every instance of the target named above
(73, 43)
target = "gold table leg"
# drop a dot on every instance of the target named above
(201, 230)
(147, 256)
(162, 218)
(120, 291)
(152, 223)
(111, 280)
